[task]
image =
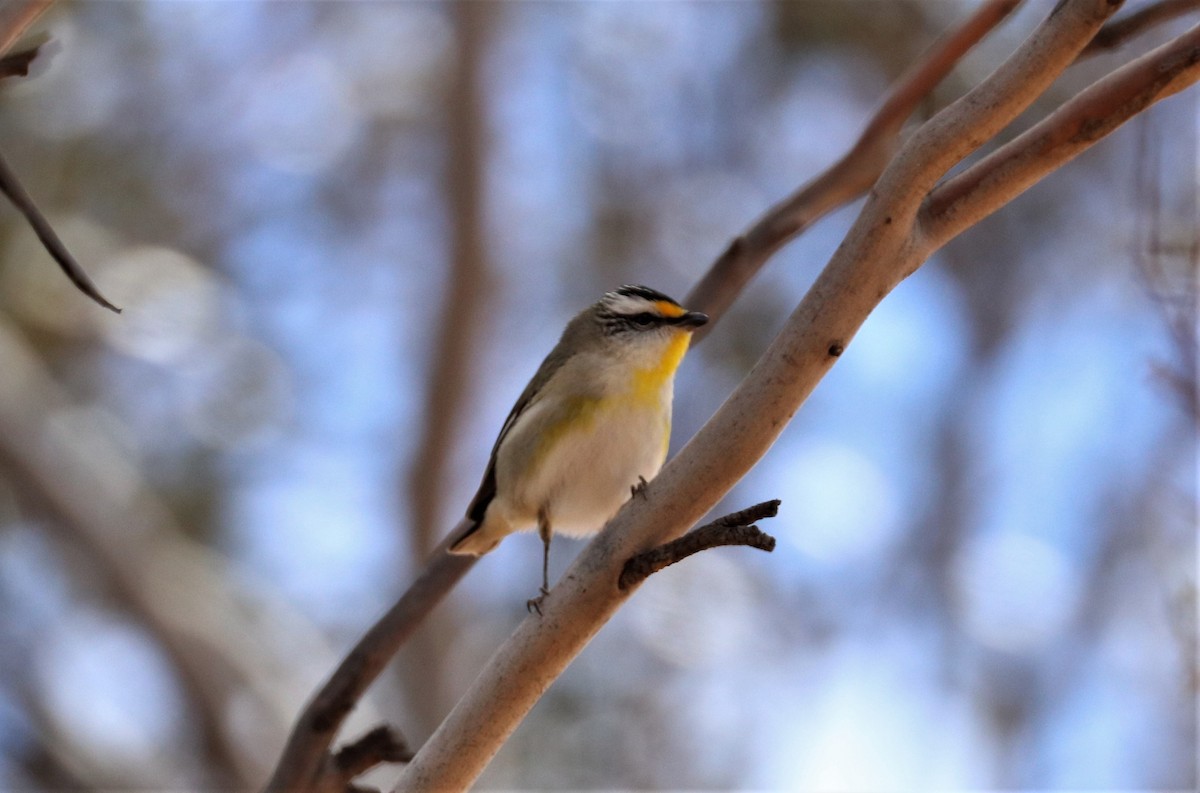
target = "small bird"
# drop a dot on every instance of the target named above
(589, 430)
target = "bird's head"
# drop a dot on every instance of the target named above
(639, 310)
(645, 325)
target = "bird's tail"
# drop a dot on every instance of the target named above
(474, 538)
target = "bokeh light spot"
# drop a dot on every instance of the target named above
(238, 396)
(109, 689)
(170, 302)
(301, 115)
(843, 505)
(1016, 591)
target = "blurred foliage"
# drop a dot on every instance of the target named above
(986, 575)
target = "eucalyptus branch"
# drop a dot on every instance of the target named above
(975, 118)
(1008, 171)
(883, 247)
(304, 762)
(845, 180)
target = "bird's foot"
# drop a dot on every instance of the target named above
(639, 489)
(535, 604)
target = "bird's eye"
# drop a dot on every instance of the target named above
(643, 319)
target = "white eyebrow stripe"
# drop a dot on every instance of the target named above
(628, 305)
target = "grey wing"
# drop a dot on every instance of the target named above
(487, 488)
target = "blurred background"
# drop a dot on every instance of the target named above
(344, 235)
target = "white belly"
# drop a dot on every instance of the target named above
(586, 475)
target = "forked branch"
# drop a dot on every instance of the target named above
(1008, 171)
(1116, 33)
(734, 529)
(307, 749)
(849, 177)
(380, 745)
(885, 245)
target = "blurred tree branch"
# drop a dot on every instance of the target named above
(119, 531)
(890, 239)
(15, 18)
(1116, 33)
(849, 177)
(463, 304)
(968, 197)
(1170, 271)
(90, 492)
(305, 762)
(852, 175)
(60, 757)
(12, 189)
(463, 311)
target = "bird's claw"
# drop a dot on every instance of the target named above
(535, 604)
(639, 489)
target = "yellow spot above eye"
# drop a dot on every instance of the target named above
(669, 309)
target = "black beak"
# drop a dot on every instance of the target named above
(692, 319)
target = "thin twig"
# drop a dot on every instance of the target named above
(744, 517)
(735, 529)
(1116, 33)
(380, 745)
(15, 18)
(17, 64)
(11, 187)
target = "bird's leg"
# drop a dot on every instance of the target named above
(544, 531)
(535, 604)
(640, 488)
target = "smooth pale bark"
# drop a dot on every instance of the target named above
(885, 245)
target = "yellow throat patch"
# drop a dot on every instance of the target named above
(647, 383)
